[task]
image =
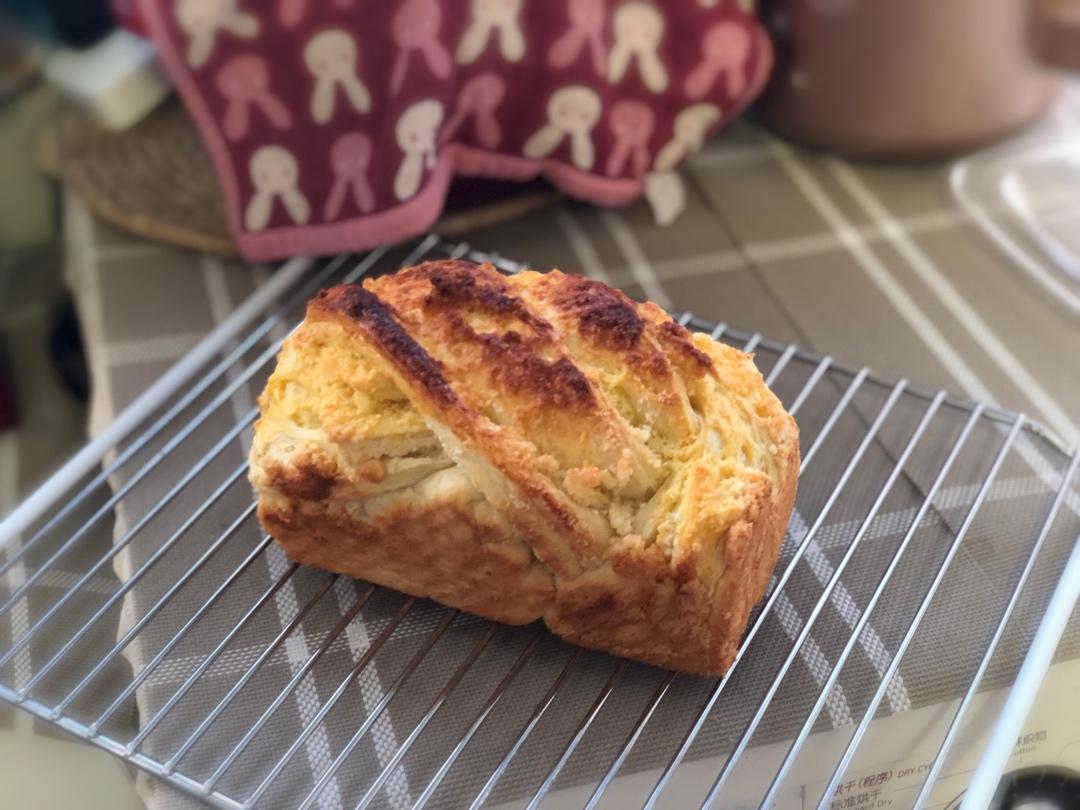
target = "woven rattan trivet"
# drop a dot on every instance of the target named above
(156, 180)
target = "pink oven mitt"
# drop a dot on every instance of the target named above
(337, 125)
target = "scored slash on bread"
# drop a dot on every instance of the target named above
(530, 447)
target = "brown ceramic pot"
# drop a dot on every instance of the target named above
(914, 78)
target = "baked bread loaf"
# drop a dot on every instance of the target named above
(530, 447)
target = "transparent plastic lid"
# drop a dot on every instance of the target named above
(1025, 195)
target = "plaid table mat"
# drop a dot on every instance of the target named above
(873, 265)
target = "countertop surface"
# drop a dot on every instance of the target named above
(872, 264)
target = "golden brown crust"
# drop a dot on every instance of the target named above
(538, 446)
(428, 547)
(359, 305)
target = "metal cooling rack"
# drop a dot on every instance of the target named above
(932, 555)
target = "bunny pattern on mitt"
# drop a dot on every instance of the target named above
(338, 125)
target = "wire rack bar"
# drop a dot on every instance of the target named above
(173, 412)
(693, 321)
(193, 393)
(579, 734)
(250, 673)
(234, 385)
(527, 729)
(130, 582)
(631, 741)
(924, 606)
(180, 634)
(605, 692)
(486, 709)
(418, 729)
(360, 269)
(999, 631)
(864, 618)
(106, 509)
(129, 535)
(128, 420)
(283, 695)
(142, 761)
(156, 609)
(375, 713)
(204, 665)
(808, 623)
(991, 412)
(823, 365)
(116, 549)
(143, 620)
(1021, 697)
(774, 594)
